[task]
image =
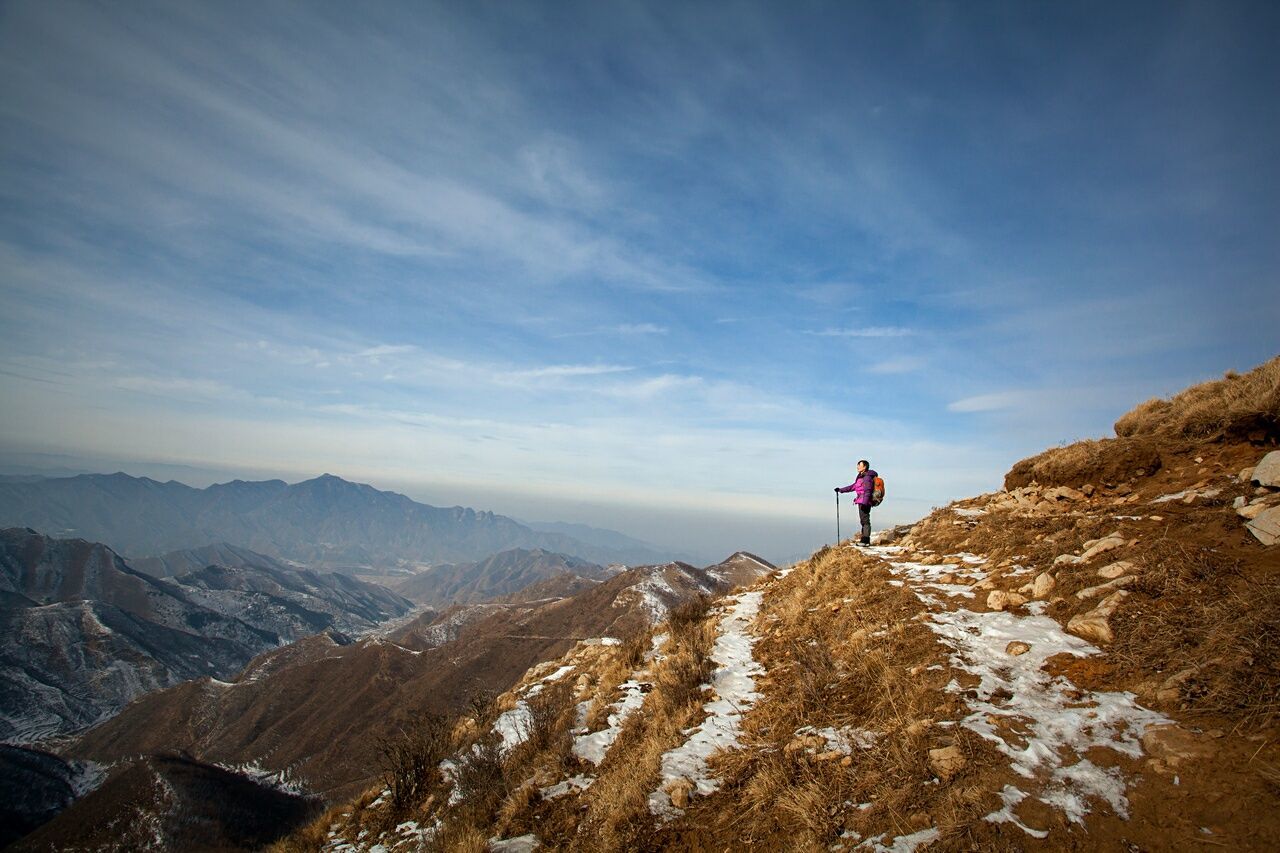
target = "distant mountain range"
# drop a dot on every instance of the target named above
(324, 522)
(82, 634)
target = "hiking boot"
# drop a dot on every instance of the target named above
(865, 540)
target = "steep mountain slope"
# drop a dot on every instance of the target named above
(82, 634)
(292, 603)
(502, 574)
(172, 803)
(1078, 662)
(35, 786)
(326, 521)
(317, 709)
(193, 559)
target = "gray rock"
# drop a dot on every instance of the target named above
(1266, 526)
(1267, 472)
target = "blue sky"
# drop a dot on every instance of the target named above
(669, 268)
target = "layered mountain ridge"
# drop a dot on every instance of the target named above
(82, 634)
(324, 522)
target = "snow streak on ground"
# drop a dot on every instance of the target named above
(735, 689)
(1043, 723)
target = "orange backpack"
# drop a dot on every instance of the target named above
(877, 492)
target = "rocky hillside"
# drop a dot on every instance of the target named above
(1089, 659)
(82, 634)
(503, 574)
(193, 559)
(173, 803)
(320, 710)
(324, 522)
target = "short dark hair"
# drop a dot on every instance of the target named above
(864, 462)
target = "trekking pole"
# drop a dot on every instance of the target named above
(837, 518)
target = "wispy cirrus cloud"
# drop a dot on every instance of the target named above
(899, 364)
(864, 332)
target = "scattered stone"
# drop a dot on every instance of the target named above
(1170, 690)
(1116, 569)
(998, 599)
(1266, 525)
(679, 791)
(1251, 511)
(919, 820)
(1267, 472)
(947, 577)
(919, 727)
(1174, 745)
(1017, 647)
(847, 761)
(832, 755)
(1088, 489)
(1064, 493)
(1043, 585)
(1102, 546)
(1239, 502)
(1246, 475)
(1104, 588)
(1094, 625)
(1067, 560)
(947, 762)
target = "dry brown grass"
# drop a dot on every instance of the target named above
(312, 837)
(1104, 461)
(616, 806)
(843, 650)
(1234, 406)
(1195, 609)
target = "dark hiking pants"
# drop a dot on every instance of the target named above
(864, 515)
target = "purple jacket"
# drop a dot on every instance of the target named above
(862, 487)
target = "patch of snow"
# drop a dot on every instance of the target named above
(559, 789)
(1011, 796)
(520, 844)
(594, 746)
(734, 685)
(843, 740)
(1047, 711)
(514, 726)
(1177, 496)
(901, 844)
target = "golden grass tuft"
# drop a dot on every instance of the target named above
(1234, 405)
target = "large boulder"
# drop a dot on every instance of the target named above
(1267, 472)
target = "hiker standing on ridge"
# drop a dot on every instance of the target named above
(863, 487)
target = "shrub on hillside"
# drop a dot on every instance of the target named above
(410, 759)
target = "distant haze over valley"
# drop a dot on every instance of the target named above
(325, 521)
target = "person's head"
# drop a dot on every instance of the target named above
(863, 465)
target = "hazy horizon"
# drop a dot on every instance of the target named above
(666, 269)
